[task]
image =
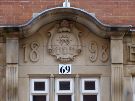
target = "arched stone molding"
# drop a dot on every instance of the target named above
(74, 14)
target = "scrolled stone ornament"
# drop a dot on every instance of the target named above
(64, 42)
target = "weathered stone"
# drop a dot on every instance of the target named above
(96, 52)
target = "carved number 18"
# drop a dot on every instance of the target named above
(33, 53)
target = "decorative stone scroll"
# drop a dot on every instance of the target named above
(64, 42)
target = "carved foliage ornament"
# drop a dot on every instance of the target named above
(64, 41)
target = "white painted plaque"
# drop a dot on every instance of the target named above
(64, 68)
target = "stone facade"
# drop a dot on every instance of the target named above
(67, 36)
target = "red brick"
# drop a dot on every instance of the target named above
(107, 11)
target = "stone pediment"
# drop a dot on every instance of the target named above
(59, 13)
(74, 14)
(64, 41)
(96, 43)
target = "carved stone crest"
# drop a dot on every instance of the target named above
(64, 42)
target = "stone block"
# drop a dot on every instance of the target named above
(12, 50)
(117, 51)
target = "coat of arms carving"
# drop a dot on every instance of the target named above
(64, 42)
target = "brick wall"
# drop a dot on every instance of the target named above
(107, 11)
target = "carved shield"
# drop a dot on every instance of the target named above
(64, 42)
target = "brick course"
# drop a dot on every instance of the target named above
(113, 12)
